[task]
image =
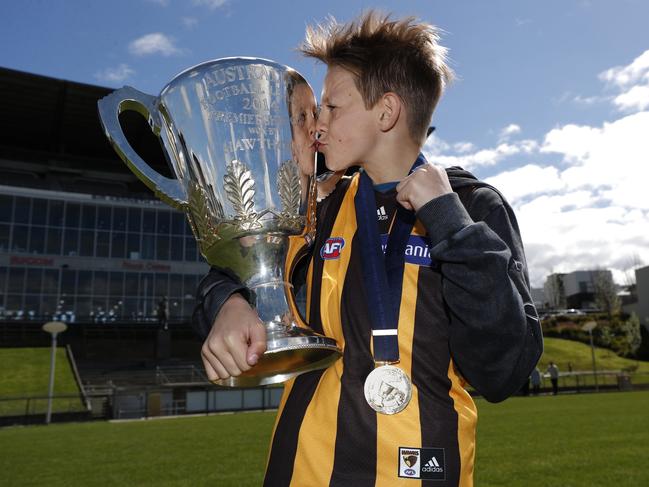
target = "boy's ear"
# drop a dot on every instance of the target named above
(390, 106)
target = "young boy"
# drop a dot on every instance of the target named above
(449, 303)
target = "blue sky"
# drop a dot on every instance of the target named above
(551, 102)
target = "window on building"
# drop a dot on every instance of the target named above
(72, 215)
(37, 240)
(162, 247)
(22, 209)
(71, 242)
(6, 208)
(119, 219)
(148, 221)
(103, 217)
(50, 281)
(4, 236)
(19, 238)
(103, 244)
(39, 211)
(118, 245)
(89, 217)
(16, 280)
(134, 220)
(87, 243)
(34, 281)
(54, 241)
(55, 215)
(85, 282)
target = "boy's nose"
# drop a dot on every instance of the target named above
(320, 126)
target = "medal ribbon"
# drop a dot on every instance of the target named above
(383, 274)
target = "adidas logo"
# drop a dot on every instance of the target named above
(381, 214)
(432, 466)
(432, 462)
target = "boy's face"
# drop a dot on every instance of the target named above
(348, 131)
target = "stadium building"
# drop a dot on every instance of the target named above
(81, 238)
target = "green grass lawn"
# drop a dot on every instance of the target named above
(564, 441)
(563, 351)
(26, 372)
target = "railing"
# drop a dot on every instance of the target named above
(588, 380)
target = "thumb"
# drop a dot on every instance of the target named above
(257, 343)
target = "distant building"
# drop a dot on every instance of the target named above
(641, 306)
(576, 289)
(538, 297)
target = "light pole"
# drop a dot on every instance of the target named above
(53, 328)
(589, 327)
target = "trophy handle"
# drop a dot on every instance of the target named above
(128, 98)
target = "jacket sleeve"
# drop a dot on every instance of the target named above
(495, 337)
(214, 290)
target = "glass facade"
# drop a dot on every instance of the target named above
(146, 252)
(55, 227)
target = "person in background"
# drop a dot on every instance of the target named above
(553, 370)
(535, 379)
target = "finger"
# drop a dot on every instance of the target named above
(238, 352)
(221, 351)
(229, 364)
(257, 343)
(213, 368)
(403, 183)
(403, 198)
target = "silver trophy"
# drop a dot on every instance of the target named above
(238, 135)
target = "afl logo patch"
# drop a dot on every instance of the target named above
(332, 248)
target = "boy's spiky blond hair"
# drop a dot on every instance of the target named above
(400, 56)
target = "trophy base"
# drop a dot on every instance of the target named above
(289, 353)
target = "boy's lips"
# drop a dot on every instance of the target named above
(316, 145)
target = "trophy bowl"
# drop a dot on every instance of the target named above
(236, 136)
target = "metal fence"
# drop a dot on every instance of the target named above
(130, 403)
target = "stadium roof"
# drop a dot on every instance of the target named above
(49, 130)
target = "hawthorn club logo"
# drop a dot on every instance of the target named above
(332, 248)
(410, 460)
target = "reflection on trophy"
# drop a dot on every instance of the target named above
(237, 133)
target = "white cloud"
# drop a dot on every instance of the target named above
(211, 4)
(595, 211)
(507, 132)
(632, 81)
(463, 147)
(154, 43)
(637, 98)
(480, 158)
(622, 76)
(527, 180)
(434, 146)
(115, 75)
(162, 3)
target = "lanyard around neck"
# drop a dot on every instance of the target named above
(383, 274)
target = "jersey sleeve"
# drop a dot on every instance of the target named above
(495, 336)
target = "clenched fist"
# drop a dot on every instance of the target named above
(236, 341)
(427, 182)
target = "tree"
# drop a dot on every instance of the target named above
(632, 336)
(554, 291)
(606, 297)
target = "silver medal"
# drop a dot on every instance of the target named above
(388, 389)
